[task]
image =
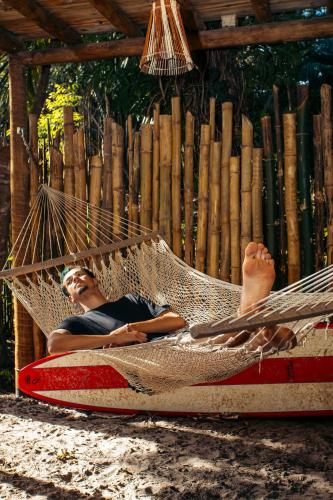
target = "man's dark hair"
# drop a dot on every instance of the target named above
(66, 270)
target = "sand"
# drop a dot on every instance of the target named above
(54, 453)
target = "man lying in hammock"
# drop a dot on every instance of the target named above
(133, 319)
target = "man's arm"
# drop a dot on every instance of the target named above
(63, 341)
(167, 321)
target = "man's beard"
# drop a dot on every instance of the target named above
(82, 289)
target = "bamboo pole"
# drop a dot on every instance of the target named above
(227, 117)
(270, 202)
(235, 210)
(95, 184)
(214, 212)
(212, 125)
(257, 187)
(304, 159)
(107, 164)
(319, 197)
(280, 180)
(134, 182)
(165, 176)
(130, 159)
(326, 134)
(38, 336)
(246, 183)
(69, 168)
(19, 188)
(176, 177)
(188, 187)
(146, 176)
(290, 148)
(201, 249)
(156, 167)
(80, 173)
(56, 182)
(117, 178)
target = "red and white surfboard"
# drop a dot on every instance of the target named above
(287, 384)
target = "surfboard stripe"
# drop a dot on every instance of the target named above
(270, 371)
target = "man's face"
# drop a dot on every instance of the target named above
(78, 283)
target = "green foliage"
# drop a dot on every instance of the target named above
(52, 120)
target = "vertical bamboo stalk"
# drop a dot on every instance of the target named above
(304, 153)
(134, 181)
(80, 173)
(117, 178)
(146, 176)
(290, 148)
(107, 165)
(319, 197)
(95, 184)
(156, 167)
(38, 336)
(130, 159)
(326, 134)
(257, 186)
(69, 169)
(235, 220)
(176, 177)
(227, 114)
(203, 198)
(19, 188)
(165, 176)
(188, 187)
(246, 183)
(280, 180)
(212, 125)
(56, 169)
(270, 202)
(214, 212)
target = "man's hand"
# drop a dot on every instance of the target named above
(124, 336)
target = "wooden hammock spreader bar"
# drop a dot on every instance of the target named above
(74, 257)
(232, 324)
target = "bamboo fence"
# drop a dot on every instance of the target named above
(208, 198)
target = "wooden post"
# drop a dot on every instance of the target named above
(214, 212)
(270, 199)
(327, 142)
(118, 179)
(235, 220)
(156, 168)
(304, 160)
(290, 149)
(246, 183)
(188, 187)
(96, 167)
(319, 196)
(133, 191)
(165, 176)
(19, 187)
(257, 186)
(201, 249)
(38, 336)
(107, 164)
(146, 176)
(80, 174)
(280, 180)
(69, 188)
(176, 177)
(225, 191)
(130, 159)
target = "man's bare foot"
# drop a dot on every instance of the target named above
(258, 275)
(279, 338)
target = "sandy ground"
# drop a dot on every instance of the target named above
(54, 453)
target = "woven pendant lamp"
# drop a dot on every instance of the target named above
(166, 50)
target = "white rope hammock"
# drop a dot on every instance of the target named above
(128, 258)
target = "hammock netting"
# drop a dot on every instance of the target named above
(127, 258)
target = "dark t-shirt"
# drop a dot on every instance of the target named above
(112, 315)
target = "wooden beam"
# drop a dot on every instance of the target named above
(270, 33)
(116, 16)
(33, 10)
(9, 42)
(191, 18)
(261, 10)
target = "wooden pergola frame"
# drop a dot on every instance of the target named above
(200, 39)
